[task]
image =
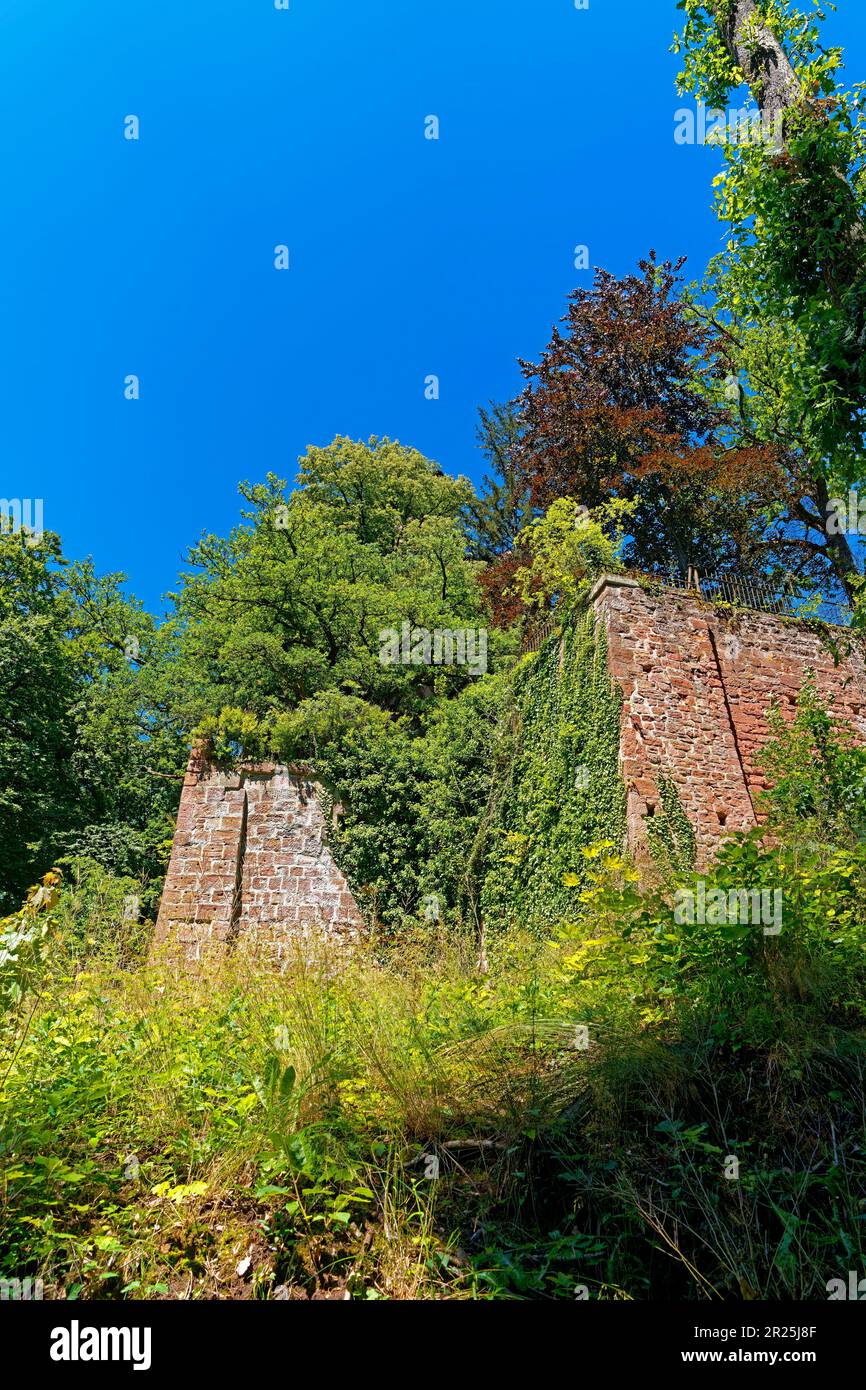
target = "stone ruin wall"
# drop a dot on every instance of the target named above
(697, 684)
(250, 869)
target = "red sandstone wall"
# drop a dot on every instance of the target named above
(697, 686)
(761, 659)
(250, 869)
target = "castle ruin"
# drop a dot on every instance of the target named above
(250, 866)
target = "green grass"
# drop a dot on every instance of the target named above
(410, 1128)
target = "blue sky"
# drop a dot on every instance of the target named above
(409, 257)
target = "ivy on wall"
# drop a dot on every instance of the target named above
(487, 811)
(564, 788)
(670, 833)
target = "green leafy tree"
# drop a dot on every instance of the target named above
(569, 546)
(86, 764)
(282, 623)
(788, 292)
(817, 769)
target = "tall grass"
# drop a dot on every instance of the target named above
(396, 1125)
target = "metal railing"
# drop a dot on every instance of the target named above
(783, 599)
(538, 632)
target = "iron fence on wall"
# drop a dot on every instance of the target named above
(783, 599)
(538, 632)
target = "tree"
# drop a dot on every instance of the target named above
(627, 403)
(292, 607)
(789, 290)
(77, 742)
(568, 547)
(495, 516)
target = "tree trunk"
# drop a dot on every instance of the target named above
(777, 89)
(762, 59)
(839, 552)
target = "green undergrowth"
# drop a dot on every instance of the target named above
(557, 1127)
(645, 1097)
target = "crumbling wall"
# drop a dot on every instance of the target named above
(250, 869)
(697, 684)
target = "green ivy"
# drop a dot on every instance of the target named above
(564, 791)
(670, 833)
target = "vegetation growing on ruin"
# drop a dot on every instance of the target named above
(565, 1124)
(563, 791)
(536, 1079)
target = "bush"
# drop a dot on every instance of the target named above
(99, 914)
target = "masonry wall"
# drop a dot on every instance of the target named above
(697, 685)
(250, 869)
